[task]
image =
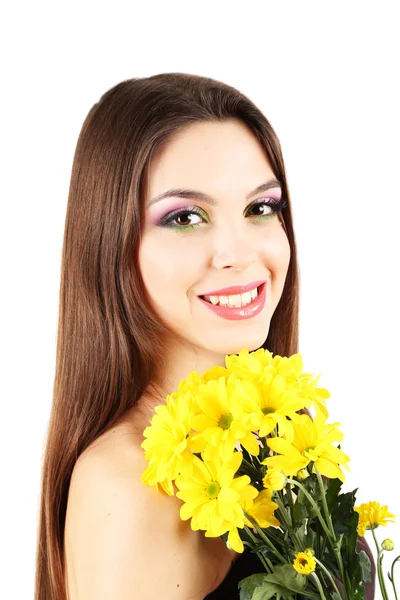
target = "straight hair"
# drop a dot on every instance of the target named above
(109, 341)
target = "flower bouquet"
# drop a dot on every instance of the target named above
(239, 447)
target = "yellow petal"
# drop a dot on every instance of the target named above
(228, 495)
(329, 469)
(282, 446)
(251, 444)
(234, 541)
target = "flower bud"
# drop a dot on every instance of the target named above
(274, 480)
(302, 475)
(387, 544)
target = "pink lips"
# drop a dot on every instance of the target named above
(234, 289)
(245, 312)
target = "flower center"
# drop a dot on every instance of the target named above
(267, 410)
(225, 421)
(310, 454)
(213, 489)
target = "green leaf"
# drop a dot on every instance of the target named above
(312, 486)
(356, 564)
(365, 565)
(342, 513)
(248, 585)
(351, 540)
(267, 593)
(299, 512)
(308, 540)
(283, 582)
(333, 492)
(287, 577)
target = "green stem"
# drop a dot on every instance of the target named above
(288, 523)
(283, 511)
(265, 561)
(379, 568)
(290, 499)
(265, 538)
(319, 586)
(328, 518)
(275, 538)
(331, 579)
(311, 594)
(324, 503)
(316, 508)
(251, 469)
(391, 576)
(318, 534)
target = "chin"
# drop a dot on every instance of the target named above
(237, 343)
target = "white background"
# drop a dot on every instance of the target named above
(326, 75)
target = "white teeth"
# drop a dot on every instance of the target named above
(235, 300)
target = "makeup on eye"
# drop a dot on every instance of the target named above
(275, 205)
(181, 197)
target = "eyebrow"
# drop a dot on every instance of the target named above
(195, 195)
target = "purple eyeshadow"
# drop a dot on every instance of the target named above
(161, 212)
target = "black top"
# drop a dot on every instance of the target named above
(248, 563)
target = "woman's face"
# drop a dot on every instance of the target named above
(220, 234)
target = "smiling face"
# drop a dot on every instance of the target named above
(228, 234)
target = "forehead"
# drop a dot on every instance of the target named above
(213, 157)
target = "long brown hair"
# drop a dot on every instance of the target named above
(108, 343)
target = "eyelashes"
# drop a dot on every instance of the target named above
(171, 219)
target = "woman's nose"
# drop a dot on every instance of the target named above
(234, 250)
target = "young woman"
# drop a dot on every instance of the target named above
(179, 249)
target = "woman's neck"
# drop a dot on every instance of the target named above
(182, 360)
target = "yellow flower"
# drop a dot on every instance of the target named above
(249, 365)
(371, 515)
(271, 402)
(166, 444)
(254, 364)
(274, 480)
(214, 373)
(310, 391)
(312, 442)
(304, 562)
(214, 498)
(261, 509)
(275, 387)
(220, 421)
(189, 387)
(149, 477)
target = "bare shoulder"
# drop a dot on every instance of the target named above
(123, 539)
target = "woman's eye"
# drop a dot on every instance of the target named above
(261, 209)
(189, 218)
(267, 210)
(193, 217)
(186, 219)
